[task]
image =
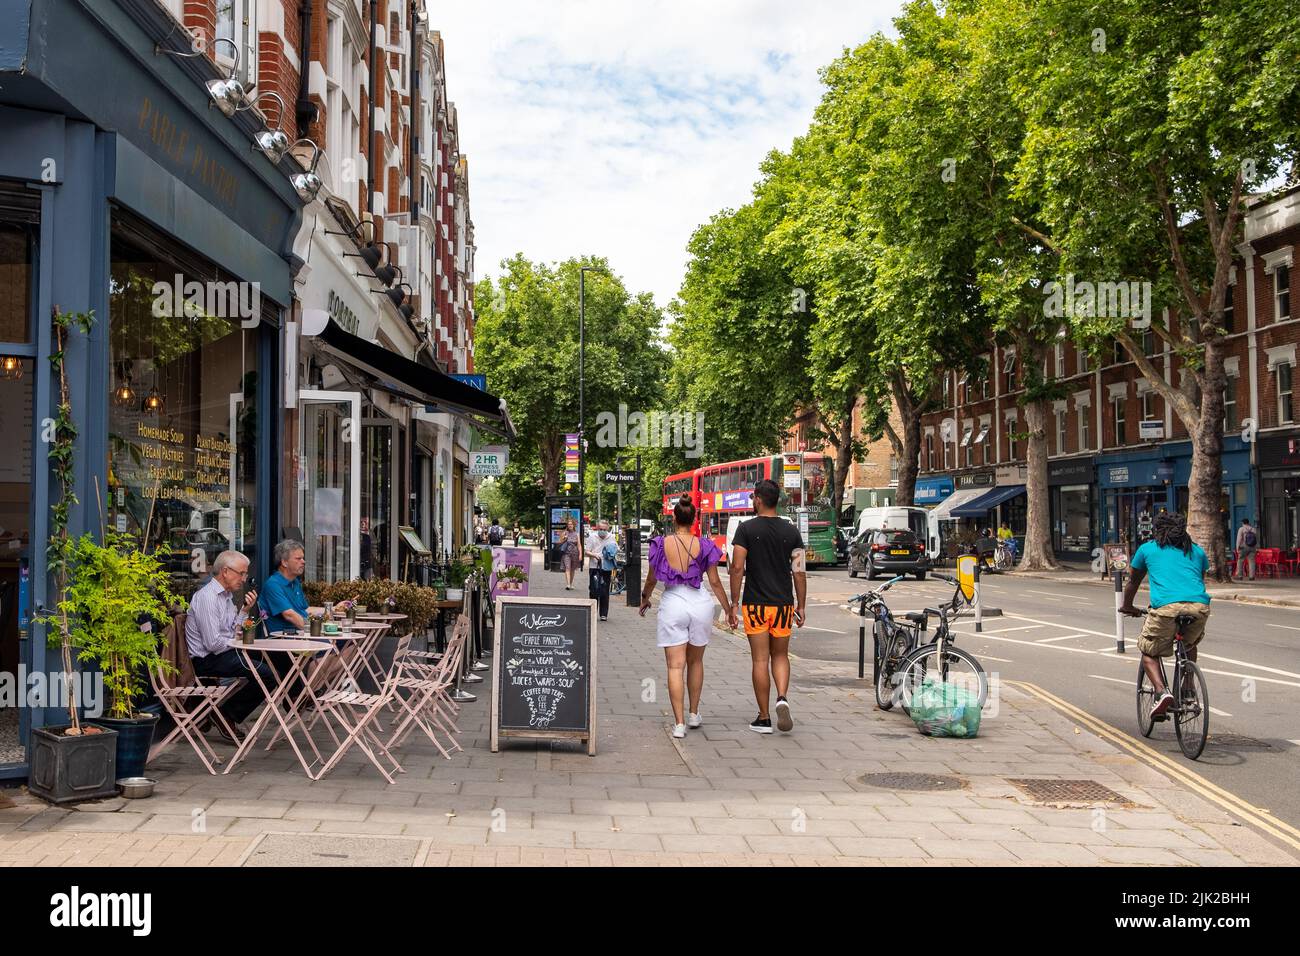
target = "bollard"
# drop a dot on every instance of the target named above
(632, 569)
(1119, 618)
(979, 607)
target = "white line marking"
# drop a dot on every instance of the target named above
(1296, 742)
(990, 657)
(1067, 637)
(1219, 713)
(1258, 667)
(1007, 630)
(826, 629)
(1287, 626)
(1057, 594)
(1117, 680)
(1034, 620)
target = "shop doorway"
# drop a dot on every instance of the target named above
(330, 484)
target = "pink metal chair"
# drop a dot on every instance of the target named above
(190, 701)
(423, 695)
(357, 717)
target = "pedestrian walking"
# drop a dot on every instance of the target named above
(767, 554)
(685, 621)
(1247, 545)
(570, 552)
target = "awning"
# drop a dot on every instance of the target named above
(986, 502)
(407, 379)
(944, 510)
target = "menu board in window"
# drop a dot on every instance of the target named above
(544, 670)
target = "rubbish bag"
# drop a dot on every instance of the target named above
(946, 710)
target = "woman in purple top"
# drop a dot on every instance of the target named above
(681, 560)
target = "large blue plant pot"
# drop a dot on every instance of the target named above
(134, 738)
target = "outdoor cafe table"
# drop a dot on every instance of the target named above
(298, 652)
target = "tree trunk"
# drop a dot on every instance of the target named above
(1205, 519)
(907, 446)
(1038, 554)
(843, 462)
(550, 452)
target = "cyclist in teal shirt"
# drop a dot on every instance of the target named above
(1177, 568)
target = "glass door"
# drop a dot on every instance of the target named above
(329, 483)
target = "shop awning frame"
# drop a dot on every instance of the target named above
(400, 376)
(943, 510)
(988, 501)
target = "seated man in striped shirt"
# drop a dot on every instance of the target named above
(210, 631)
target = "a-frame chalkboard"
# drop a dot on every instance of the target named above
(544, 670)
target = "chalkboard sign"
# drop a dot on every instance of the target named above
(544, 670)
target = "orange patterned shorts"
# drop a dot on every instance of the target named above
(773, 618)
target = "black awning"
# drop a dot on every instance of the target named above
(407, 379)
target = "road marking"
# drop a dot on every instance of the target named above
(990, 657)
(1007, 630)
(1220, 713)
(1067, 637)
(1179, 773)
(1258, 667)
(826, 629)
(1072, 597)
(1296, 742)
(1287, 626)
(1117, 680)
(1034, 620)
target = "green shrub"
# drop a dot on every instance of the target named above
(413, 600)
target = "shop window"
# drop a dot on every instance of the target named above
(1285, 394)
(182, 412)
(1121, 426)
(1282, 293)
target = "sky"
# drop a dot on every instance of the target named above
(617, 128)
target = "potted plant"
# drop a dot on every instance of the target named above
(457, 575)
(74, 761)
(113, 587)
(511, 578)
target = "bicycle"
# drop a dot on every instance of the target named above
(940, 656)
(1004, 557)
(891, 641)
(1191, 708)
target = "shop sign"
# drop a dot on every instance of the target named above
(1165, 471)
(1012, 474)
(1151, 430)
(1118, 474)
(1116, 557)
(489, 461)
(474, 381)
(1078, 472)
(343, 316)
(931, 491)
(1283, 452)
(982, 479)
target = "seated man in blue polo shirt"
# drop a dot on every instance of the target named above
(282, 596)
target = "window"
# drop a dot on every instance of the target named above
(1120, 356)
(1282, 292)
(1012, 424)
(893, 469)
(984, 386)
(1085, 442)
(1081, 356)
(1009, 369)
(1121, 426)
(1060, 360)
(947, 390)
(947, 455)
(970, 453)
(1060, 431)
(967, 435)
(1149, 406)
(1230, 420)
(237, 22)
(929, 453)
(1285, 408)
(1229, 312)
(1149, 342)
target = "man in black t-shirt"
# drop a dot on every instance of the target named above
(768, 554)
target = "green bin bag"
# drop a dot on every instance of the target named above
(946, 710)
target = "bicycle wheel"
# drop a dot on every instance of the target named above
(1146, 698)
(1192, 711)
(882, 673)
(956, 668)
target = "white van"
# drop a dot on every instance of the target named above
(913, 518)
(734, 523)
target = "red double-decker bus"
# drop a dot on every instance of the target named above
(726, 489)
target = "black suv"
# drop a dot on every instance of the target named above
(888, 551)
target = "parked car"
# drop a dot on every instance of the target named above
(889, 551)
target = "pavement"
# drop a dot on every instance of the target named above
(722, 796)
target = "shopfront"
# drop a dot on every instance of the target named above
(1073, 507)
(1135, 487)
(1279, 483)
(124, 194)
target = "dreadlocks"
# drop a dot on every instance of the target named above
(1170, 531)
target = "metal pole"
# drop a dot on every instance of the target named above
(582, 384)
(1119, 618)
(619, 462)
(979, 606)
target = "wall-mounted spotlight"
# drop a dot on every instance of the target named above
(227, 93)
(370, 253)
(273, 143)
(307, 184)
(387, 273)
(396, 295)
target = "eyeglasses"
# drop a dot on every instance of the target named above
(241, 574)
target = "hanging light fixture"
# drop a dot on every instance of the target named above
(370, 253)
(387, 273)
(124, 394)
(227, 92)
(307, 184)
(11, 367)
(153, 402)
(396, 295)
(273, 143)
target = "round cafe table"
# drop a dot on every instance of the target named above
(298, 652)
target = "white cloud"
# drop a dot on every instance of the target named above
(616, 128)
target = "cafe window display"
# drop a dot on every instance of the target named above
(182, 408)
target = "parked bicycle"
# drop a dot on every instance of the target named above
(1191, 707)
(1004, 557)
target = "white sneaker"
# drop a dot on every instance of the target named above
(679, 730)
(693, 720)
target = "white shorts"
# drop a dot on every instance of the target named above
(685, 614)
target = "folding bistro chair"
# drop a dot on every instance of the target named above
(422, 694)
(190, 700)
(459, 637)
(357, 716)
